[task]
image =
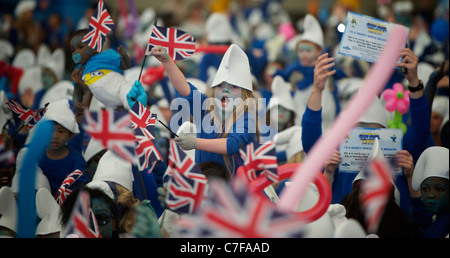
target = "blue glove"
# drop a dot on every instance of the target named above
(138, 93)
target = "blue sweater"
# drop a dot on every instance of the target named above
(424, 220)
(240, 136)
(57, 170)
(414, 141)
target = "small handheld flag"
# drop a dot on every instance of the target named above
(178, 44)
(99, 26)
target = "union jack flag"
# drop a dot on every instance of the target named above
(82, 222)
(143, 123)
(232, 212)
(143, 120)
(28, 116)
(178, 44)
(375, 191)
(64, 190)
(259, 158)
(187, 183)
(99, 26)
(113, 130)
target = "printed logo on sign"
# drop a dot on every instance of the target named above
(376, 28)
(368, 138)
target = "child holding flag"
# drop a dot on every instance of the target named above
(230, 126)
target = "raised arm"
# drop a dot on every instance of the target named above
(176, 77)
(321, 74)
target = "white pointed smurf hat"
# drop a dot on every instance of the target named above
(282, 91)
(234, 69)
(312, 31)
(60, 112)
(114, 169)
(433, 162)
(48, 211)
(8, 209)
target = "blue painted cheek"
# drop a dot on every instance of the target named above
(76, 58)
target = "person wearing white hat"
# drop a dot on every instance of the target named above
(439, 116)
(61, 157)
(414, 140)
(301, 72)
(393, 223)
(430, 192)
(230, 119)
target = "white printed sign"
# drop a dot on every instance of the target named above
(355, 149)
(365, 37)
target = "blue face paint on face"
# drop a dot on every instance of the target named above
(76, 58)
(435, 194)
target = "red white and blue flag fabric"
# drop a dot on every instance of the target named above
(99, 26)
(259, 158)
(64, 190)
(375, 191)
(82, 222)
(28, 116)
(143, 122)
(178, 44)
(187, 184)
(232, 212)
(113, 130)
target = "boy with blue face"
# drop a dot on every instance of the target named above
(429, 189)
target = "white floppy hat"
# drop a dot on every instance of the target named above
(94, 146)
(376, 113)
(292, 138)
(114, 169)
(23, 6)
(281, 90)
(8, 209)
(312, 31)
(60, 112)
(48, 211)
(234, 69)
(60, 90)
(218, 28)
(433, 162)
(41, 179)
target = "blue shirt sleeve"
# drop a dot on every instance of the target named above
(415, 140)
(311, 128)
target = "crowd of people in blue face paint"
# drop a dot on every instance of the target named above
(39, 38)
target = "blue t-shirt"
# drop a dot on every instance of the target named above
(57, 170)
(242, 133)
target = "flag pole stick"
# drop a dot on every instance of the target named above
(142, 67)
